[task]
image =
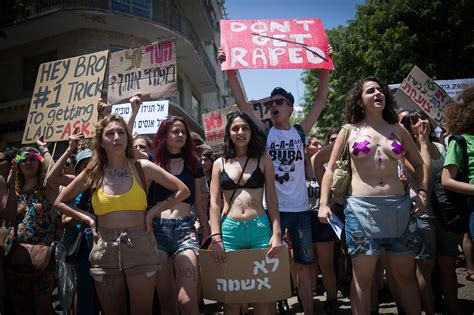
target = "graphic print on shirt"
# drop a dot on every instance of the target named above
(286, 153)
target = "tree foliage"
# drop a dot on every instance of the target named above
(387, 38)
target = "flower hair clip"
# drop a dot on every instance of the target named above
(22, 156)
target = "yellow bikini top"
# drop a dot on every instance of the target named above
(134, 199)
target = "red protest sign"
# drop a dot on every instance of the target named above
(280, 44)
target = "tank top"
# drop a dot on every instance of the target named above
(134, 199)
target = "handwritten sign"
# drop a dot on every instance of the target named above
(246, 276)
(149, 117)
(215, 121)
(420, 91)
(149, 69)
(280, 43)
(65, 98)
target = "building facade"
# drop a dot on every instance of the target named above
(37, 31)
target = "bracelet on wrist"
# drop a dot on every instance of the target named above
(215, 234)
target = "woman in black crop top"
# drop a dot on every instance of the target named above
(174, 229)
(245, 225)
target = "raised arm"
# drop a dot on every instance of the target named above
(238, 93)
(155, 173)
(320, 100)
(55, 175)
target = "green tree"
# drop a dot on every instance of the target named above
(387, 38)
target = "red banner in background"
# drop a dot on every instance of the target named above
(279, 44)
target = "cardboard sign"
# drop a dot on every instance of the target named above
(246, 276)
(215, 121)
(150, 70)
(280, 43)
(419, 91)
(65, 98)
(149, 117)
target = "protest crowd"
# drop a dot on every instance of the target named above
(116, 223)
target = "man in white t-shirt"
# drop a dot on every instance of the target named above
(285, 145)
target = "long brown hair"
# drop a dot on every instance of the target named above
(95, 168)
(20, 178)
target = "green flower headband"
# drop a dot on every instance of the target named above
(25, 155)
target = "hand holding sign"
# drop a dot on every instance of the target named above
(280, 43)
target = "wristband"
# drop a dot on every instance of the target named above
(215, 234)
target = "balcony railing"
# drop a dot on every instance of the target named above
(167, 16)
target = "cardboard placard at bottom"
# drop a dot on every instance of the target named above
(246, 276)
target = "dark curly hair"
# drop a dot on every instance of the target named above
(256, 146)
(459, 115)
(354, 111)
(411, 118)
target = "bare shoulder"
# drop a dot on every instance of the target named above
(218, 164)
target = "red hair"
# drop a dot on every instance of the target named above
(160, 152)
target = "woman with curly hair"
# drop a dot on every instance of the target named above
(378, 210)
(459, 117)
(124, 258)
(33, 220)
(246, 169)
(177, 282)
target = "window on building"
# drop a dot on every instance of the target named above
(31, 65)
(135, 7)
(196, 109)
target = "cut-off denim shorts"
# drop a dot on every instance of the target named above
(436, 240)
(175, 235)
(376, 221)
(246, 234)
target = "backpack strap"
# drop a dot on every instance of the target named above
(302, 134)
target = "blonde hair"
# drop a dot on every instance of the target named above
(95, 168)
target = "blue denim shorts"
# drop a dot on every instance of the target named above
(175, 235)
(246, 234)
(321, 232)
(376, 221)
(298, 225)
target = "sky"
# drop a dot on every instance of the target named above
(258, 83)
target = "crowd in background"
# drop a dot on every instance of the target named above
(140, 208)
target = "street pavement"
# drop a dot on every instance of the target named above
(465, 295)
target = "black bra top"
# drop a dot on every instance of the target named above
(256, 180)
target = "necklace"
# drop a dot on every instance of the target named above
(175, 155)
